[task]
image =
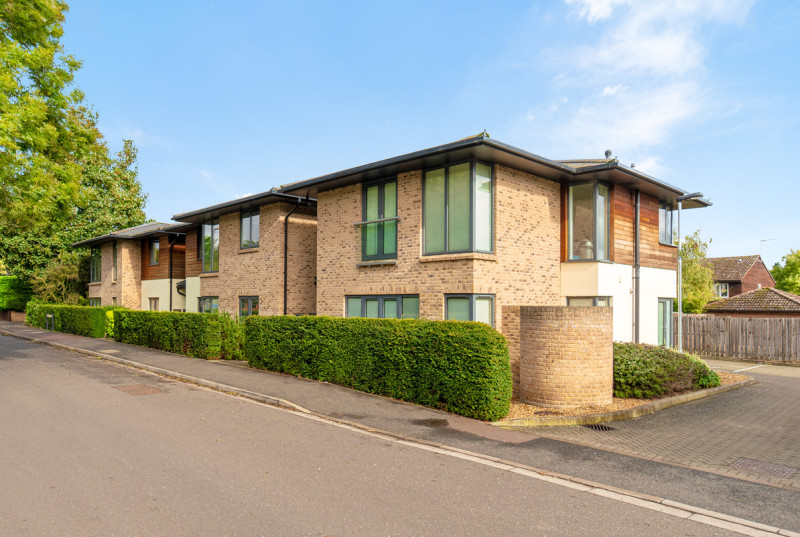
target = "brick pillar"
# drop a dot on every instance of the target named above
(566, 355)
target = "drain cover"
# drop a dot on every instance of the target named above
(764, 468)
(599, 427)
(138, 389)
(431, 422)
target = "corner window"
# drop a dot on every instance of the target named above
(383, 307)
(211, 246)
(379, 228)
(665, 322)
(721, 290)
(249, 227)
(208, 304)
(95, 264)
(603, 301)
(153, 303)
(665, 229)
(588, 222)
(155, 245)
(458, 209)
(248, 305)
(94, 302)
(470, 308)
(114, 261)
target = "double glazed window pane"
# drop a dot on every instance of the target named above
(434, 211)
(589, 223)
(458, 208)
(483, 207)
(383, 307)
(379, 239)
(458, 309)
(665, 224)
(249, 232)
(211, 246)
(470, 308)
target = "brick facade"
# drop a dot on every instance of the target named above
(757, 277)
(567, 355)
(127, 287)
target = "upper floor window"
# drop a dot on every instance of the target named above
(211, 246)
(588, 222)
(114, 261)
(95, 264)
(457, 209)
(470, 308)
(154, 249)
(379, 228)
(665, 230)
(249, 235)
(383, 307)
(721, 290)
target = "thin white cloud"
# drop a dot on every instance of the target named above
(595, 10)
(608, 90)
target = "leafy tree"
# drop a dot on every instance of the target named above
(698, 278)
(787, 277)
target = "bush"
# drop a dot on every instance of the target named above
(14, 293)
(461, 367)
(80, 320)
(646, 371)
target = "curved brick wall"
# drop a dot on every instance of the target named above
(566, 355)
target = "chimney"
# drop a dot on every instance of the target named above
(608, 153)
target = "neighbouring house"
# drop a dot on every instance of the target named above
(763, 302)
(738, 274)
(470, 230)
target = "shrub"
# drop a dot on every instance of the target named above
(14, 293)
(461, 367)
(646, 371)
(80, 320)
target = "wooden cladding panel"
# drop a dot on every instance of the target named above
(161, 270)
(653, 253)
(194, 266)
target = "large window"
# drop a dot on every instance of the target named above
(155, 245)
(114, 261)
(211, 246)
(379, 228)
(249, 235)
(588, 222)
(208, 304)
(248, 305)
(721, 290)
(588, 301)
(95, 264)
(665, 322)
(383, 307)
(665, 230)
(94, 302)
(470, 308)
(457, 209)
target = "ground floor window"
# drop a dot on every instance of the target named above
(470, 308)
(94, 302)
(665, 322)
(208, 304)
(383, 306)
(248, 305)
(153, 303)
(588, 301)
(113, 301)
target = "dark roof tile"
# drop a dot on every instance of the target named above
(764, 300)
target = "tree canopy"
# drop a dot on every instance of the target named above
(787, 276)
(698, 278)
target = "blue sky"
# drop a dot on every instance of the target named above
(225, 99)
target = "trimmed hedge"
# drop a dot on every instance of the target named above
(14, 293)
(461, 367)
(200, 335)
(647, 371)
(80, 320)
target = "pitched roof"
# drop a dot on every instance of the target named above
(764, 300)
(731, 269)
(134, 232)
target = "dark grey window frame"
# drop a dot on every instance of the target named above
(381, 183)
(251, 215)
(670, 214)
(472, 171)
(472, 298)
(668, 305)
(150, 303)
(202, 299)
(214, 223)
(595, 196)
(381, 300)
(249, 300)
(95, 264)
(594, 299)
(155, 251)
(95, 302)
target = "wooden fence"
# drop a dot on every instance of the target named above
(769, 339)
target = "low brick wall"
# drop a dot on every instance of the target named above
(566, 355)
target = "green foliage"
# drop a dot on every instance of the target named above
(787, 276)
(232, 332)
(461, 367)
(80, 320)
(698, 279)
(60, 282)
(646, 371)
(14, 293)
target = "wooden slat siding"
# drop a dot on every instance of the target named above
(773, 339)
(653, 254)
(623, 220)
(161, 271)
(193, 265)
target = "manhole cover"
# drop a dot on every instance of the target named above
(138, 389)
(599, 427)
(431, 422)
(764, 468)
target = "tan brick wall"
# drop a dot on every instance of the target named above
(511, 331)
(259, 271)
(127, 287)
(567, 355)
(523, 270)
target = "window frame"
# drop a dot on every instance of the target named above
(595, 228)
(665, 307)
(595, 300)
(253, 215)
(718, 286)
(249, 301)
(155, 251)
(380, 221)
(472, 206)
(201, 300)
(669, 214)
(381, 305)
(95, 264)
(214, 225)
(154, 301)
(95, 302)
(472, 301)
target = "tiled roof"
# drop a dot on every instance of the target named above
(584, 163)
(127, 233)
(764, 300)
(731, 269)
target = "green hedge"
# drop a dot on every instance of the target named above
(200, 335)
(647, 371)
(461, 367)
(80, 320)
(14, 294)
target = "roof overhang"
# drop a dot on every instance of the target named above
(237, 205)
(133, 233)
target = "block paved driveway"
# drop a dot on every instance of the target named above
(752, 433)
